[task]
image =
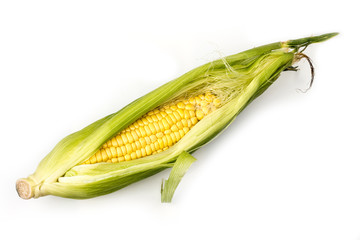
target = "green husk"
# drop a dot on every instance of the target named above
(237, 80)
(182, 164)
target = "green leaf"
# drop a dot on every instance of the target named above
(181, 166)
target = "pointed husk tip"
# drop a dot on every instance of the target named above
(303, 42)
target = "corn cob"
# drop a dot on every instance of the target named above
(161, 129)
(156, 131)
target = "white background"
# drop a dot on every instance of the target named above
(287, 168)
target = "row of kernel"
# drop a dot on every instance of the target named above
(179, 119)
(146, 146)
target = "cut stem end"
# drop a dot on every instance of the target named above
(25, 188)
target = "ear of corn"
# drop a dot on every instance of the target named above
(109, 154)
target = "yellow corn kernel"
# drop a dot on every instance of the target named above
(153, 138)
(179, 125)
(209, 98)
(182, 133)
(174, 128)
(164, 139)
(194, 120)
(169, 140)
(157, 127)
(154, 118)
(147, 130)
(199, 115)
(103, 154)
(159, 116)
(143, 152)
(165, 123)
(161, 125)
(181, 112)
(133, 146)
(134, 135)
(118, 151)
(173, 118)
(123, 149)
(119, 140)
(145, 121)
(190, 107)
(161, 143)
(152, 128)
(129, 137)
(169, 120)
(204, 103)
(148, 150)
(138, 153)
(180, 105)
(114, 142)
(177, 116)
(152, 146)
(142, 142)
(140, 123)
(113, 151)
(157, 146)
(173, 137)
(127, 157)
(128, 148)
(138, 132)
(189, 123)
(133, 155)
(124, 138)
(186, 129)
(93, 159)
(137, 144)
(108, 152)
(186, 114)
(197, 100)
(177, 136)
(192, 100)
(159, 135)
(163, 114)
(205, 110)
(184, 122)
(148, 141)
(142, 131)
(149, 119)
(216, 102)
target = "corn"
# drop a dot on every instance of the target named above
(147, 135)
(161, 129)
